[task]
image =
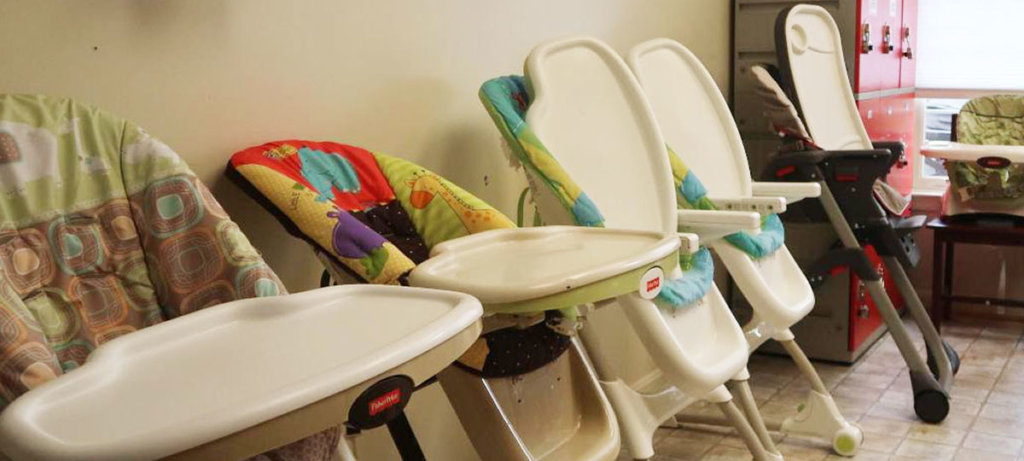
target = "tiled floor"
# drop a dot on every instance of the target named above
(986, 420)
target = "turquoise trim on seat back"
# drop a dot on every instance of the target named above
(691, 194)
(506, 100)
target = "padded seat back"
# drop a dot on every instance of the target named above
(375, 217)
(995, 119)
(104, 230)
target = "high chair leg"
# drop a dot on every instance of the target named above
(931, 396)
(820, 416)
(745, 398)
(746, 432)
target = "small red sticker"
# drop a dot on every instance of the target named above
(653, 284)
(385, 401)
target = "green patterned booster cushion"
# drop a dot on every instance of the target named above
(506, 100)
(994, 120)
(691, 194)
(104, 230)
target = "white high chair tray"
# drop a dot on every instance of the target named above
(510, 270)
(970, 152)
(212, 373)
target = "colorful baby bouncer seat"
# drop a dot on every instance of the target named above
(986, 163)
(839, 156)
(135, 317)
(524, 390)
(570, 125)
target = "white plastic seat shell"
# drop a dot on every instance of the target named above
(698, 126)
(209, 374)
(586, 123)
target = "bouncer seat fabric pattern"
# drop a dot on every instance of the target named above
(376, 217)
(104, 230)
(989, 120)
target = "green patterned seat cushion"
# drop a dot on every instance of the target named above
(104, 230)
(995, 120)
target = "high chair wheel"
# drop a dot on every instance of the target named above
(954, 360)
(931, 405)
(847, 441)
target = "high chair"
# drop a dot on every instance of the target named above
(524, 390)
(109, 246)
(843, 160)
(705, 143)
(585, 109)
(986, 163)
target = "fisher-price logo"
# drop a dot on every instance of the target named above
(385, 401)
(650, 283)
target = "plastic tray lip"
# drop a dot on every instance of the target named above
(426, 273)
(19, 422)
(970, 152)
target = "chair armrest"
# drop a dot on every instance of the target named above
(897, 149)
(761, 205)
(845, 166)
(689, 242)
(711, 225)
(792, 191)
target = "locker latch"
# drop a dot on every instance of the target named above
(887, 45)
(865, 39)
(907, 52)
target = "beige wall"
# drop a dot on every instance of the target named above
(211, 77)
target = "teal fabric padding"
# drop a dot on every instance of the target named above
(693, 285)
(506, 99)
(771, 237)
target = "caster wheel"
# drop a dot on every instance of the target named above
(931, 405)
(846, 441)
(954, 360)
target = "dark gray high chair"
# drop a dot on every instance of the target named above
(825, 141)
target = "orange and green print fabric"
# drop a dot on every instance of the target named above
(377, 215)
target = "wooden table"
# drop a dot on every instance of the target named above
(947, 233)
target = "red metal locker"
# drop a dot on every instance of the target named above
(908, 44)
(869, 59)
(902, 177)
(892, 18)
(864, 315)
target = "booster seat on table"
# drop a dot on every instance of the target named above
(700, 132)
(137, 322)
(685, 345)
(986, 163)
(524, 390)
(814, 78)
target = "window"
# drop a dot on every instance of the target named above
(936, 125)
(972, 45)
(964, 49)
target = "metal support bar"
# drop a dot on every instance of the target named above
(931, 337)
(405, 440)
(735, 416)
